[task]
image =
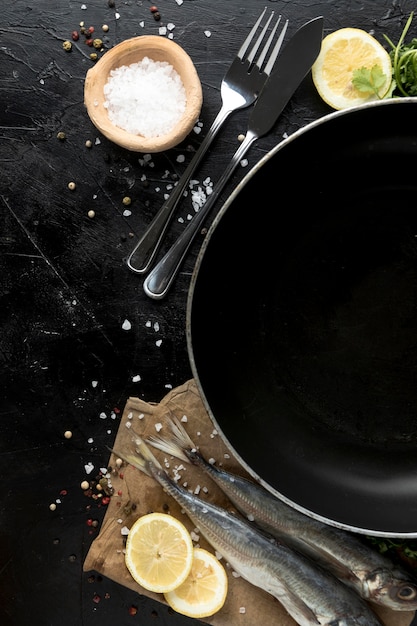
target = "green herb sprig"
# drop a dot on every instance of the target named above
(404, 62)
(369, 80)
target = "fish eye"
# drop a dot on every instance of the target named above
(407, 592)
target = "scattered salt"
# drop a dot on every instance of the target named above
(242, 610)
(145, 98)
(103, 415)
(126, 325)
(207, 33)
(136, 378)
(158, 343)
(158, 427)
(89, 467)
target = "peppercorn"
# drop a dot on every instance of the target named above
(88, 143)
(89, 41)
(156, 16)
(97, 43)
(91, 214)
(111, 3)
(75, 35)
(126, 200)
(90, 30)
(153, 9)
(61, 135)
(71, 186)
(94, 56)
(105, 28)
(67, 45)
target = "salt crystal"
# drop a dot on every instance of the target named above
(197, 130)
(142, 24)
(145, 98)
(156, 327)
(136, 378)
(148, 324)
(207, 33)
(162, 30)
(184, 419)
(158, 343)
(126, 325)
(244, 162)
(124, 531)
(141, 416)
(179, 2)
(180, 158)
(103, 415)
(83, 7)
(126, 213)
(242, 610)
(158, 427)
(89, 467)
(90, 440)
(170, 26)
(117, 16)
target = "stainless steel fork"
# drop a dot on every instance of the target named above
(239, 89)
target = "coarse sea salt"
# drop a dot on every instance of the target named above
(146, 98)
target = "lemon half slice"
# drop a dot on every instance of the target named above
(204, 591)
(159, 552)
(342, 52)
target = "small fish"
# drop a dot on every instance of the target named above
(312, 596)
(370, 573)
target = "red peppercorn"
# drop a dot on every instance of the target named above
(89, 522)
(153, 9)
(89, 42)
(133, 610)
(90, 30)
(105, 500)
(75, 35)
(96, 598)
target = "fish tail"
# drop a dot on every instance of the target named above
(179, 444)
(142, 458)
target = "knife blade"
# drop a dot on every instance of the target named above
(290, 69)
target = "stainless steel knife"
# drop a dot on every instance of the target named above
(290, 68)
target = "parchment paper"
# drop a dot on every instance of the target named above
(245, 604)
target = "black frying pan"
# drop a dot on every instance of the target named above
(302, 319)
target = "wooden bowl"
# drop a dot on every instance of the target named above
(131, 51)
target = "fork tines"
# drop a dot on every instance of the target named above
(272, 58)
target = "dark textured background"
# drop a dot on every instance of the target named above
(65, 290)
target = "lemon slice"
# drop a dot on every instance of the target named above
(342, 52)
(205, 589)
(159, 552)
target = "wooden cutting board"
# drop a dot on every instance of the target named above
(245, 604)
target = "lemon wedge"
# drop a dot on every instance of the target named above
(342, 52)
(204, 591)
(159, 552)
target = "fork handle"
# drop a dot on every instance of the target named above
(143, 254)
(160, 279)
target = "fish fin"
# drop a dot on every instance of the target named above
(142, 458)
(178, 444)
(132, 459)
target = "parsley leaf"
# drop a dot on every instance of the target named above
(369, 80)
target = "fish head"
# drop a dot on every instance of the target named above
(392, 589)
